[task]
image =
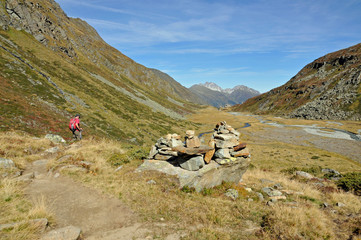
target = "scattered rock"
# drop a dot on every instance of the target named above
(250, 200)
(232, 193)
(120, 167)
(278, 198)
(325, 204)
(26, 178)
(329, 170)
(278, 186)
(340, 204)
(260, 196)
(152, 182)
(263, 181)
(270, 203)
(6, 163)
(304, 175)
(66, 233)
(56, 175)
(64, 158)
(248, 189)
(55, 138)
(271, 192)
(52, 150)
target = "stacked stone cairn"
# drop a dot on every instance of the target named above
(228, 148)
(224, 148)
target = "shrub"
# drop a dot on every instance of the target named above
(351, 182)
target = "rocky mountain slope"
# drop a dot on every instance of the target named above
(327, 88)
(214, 95)
(53, 66)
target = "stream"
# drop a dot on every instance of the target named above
(311, 129)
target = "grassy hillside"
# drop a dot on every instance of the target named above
(72, 70)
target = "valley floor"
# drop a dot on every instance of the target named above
(93, 184)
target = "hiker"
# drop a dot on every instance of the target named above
(74, 126)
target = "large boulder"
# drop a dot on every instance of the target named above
(194, 163)
(210, 175)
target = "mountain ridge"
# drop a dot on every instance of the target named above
(216, 96)
(327, 88)
(55, 66)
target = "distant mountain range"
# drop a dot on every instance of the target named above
(327, 88)
(214, 95)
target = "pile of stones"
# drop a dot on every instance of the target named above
(228, 148)
(224, 148)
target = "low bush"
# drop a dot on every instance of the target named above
(351, 182)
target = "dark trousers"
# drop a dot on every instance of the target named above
(75, 136)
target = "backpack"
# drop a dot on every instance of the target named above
(72, 124)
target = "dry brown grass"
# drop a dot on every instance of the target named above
(15, 208)
(22, 148)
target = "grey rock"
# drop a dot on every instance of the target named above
(271, 192)
(56, 175)
(167, 152)
(232, 193)
(6, 163)
(329, 170)
(340, 204)
(209, 176)
(260, 196)
(226, 144)
(66, 233)
(52, 150)
(175, 143)
(64, 158)
(270, 203)
(278, 186)
(325, 205)
(55, 138)
(264, 180)
(225, 137)
(304, 174)
(193, 164)
(250, 200)
(118, 168)
(152, 182)
(222, 153)
(153, 152)
(26, 177)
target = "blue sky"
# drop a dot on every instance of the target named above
(257, 43)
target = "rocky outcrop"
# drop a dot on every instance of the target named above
(328, 88)
(200, 166)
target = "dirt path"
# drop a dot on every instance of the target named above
(99, 216)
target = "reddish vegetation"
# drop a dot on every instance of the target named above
(306, 84)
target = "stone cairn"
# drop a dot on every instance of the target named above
(223, 148)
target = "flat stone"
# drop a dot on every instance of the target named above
(225, 137)
(162, 157)
(192, 164)
(329, 170)
(340, 204)
(304, 174)
(242, 153)
(193, 142)
(153, 152)
(226, 144)
(6, 163)
(190, 133)
(240, 146)
(209, 176)
(192, 151)
(209, 155)
(175, 142)
(66, 233)
(271, 192)
(167, 152)
(222, 153)
(26, 177)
